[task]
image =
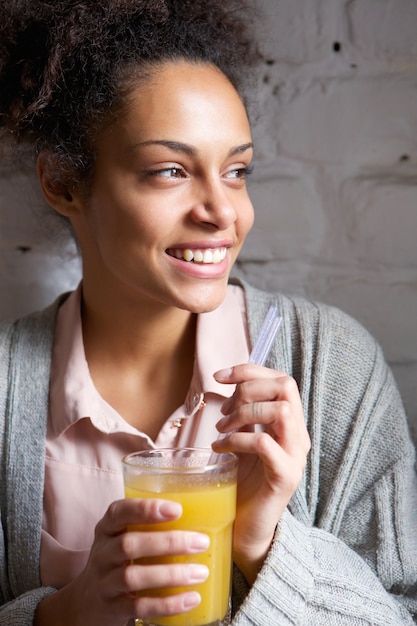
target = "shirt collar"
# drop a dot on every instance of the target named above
(221, 340)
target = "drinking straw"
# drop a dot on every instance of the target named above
(265, 339)
(262, 345)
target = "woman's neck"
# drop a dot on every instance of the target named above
(140, 359)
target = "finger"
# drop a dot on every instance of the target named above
(273, 453)
(245, 371)
(136, 576)
(130, 511)
(150, 607)
(262, 402)
(260, 444)
(276, 462)
(245, 443)
(133, 545)
(280, 420)
(130, 545)
(273, 388)
(283, 470)
(275, 414)
(132, 606)
(132, 578)
(139, 578)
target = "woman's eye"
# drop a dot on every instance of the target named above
(239, 173)
(169, 172)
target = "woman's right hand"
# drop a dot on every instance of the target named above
(108, 590)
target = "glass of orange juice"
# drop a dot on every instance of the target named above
(204, 483)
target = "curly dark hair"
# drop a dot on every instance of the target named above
(65, 66)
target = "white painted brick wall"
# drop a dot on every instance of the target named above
(335, 184)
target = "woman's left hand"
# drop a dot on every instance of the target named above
(271, 460)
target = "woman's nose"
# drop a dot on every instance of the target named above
(214, 205)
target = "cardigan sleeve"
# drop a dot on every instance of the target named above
(21, 611)
(25, 348)
(312, 578)
(345, 550)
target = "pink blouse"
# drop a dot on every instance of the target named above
(86, 437)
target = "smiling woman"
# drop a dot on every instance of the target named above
(135, 113)
(161, 184)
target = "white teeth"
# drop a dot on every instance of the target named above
(188, 255)
(217, 256)
(207, 255)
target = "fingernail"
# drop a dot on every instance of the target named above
(226, 406)
(223, 375)
(170, 510)
(221, 423)
(191, 600)
(197, 573)
(198, 542)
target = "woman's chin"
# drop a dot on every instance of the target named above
(204, 299)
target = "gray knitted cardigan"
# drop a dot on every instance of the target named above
(345, 551)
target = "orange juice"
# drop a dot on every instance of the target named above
(209, 506)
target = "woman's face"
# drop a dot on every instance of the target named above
(169, 209)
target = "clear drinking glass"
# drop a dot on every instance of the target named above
(205, 485)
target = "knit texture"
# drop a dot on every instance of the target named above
(345, 551)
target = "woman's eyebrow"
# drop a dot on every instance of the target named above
(176, 146)
(240, 149)
(185, 148)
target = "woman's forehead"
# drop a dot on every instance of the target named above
(182, 108)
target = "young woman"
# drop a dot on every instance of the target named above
(135, 110)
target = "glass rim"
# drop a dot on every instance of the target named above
(221, 459)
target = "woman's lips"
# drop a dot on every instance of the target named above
(205, 256)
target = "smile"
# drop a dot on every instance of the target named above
(205, 256)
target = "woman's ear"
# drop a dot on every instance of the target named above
(56, 192)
